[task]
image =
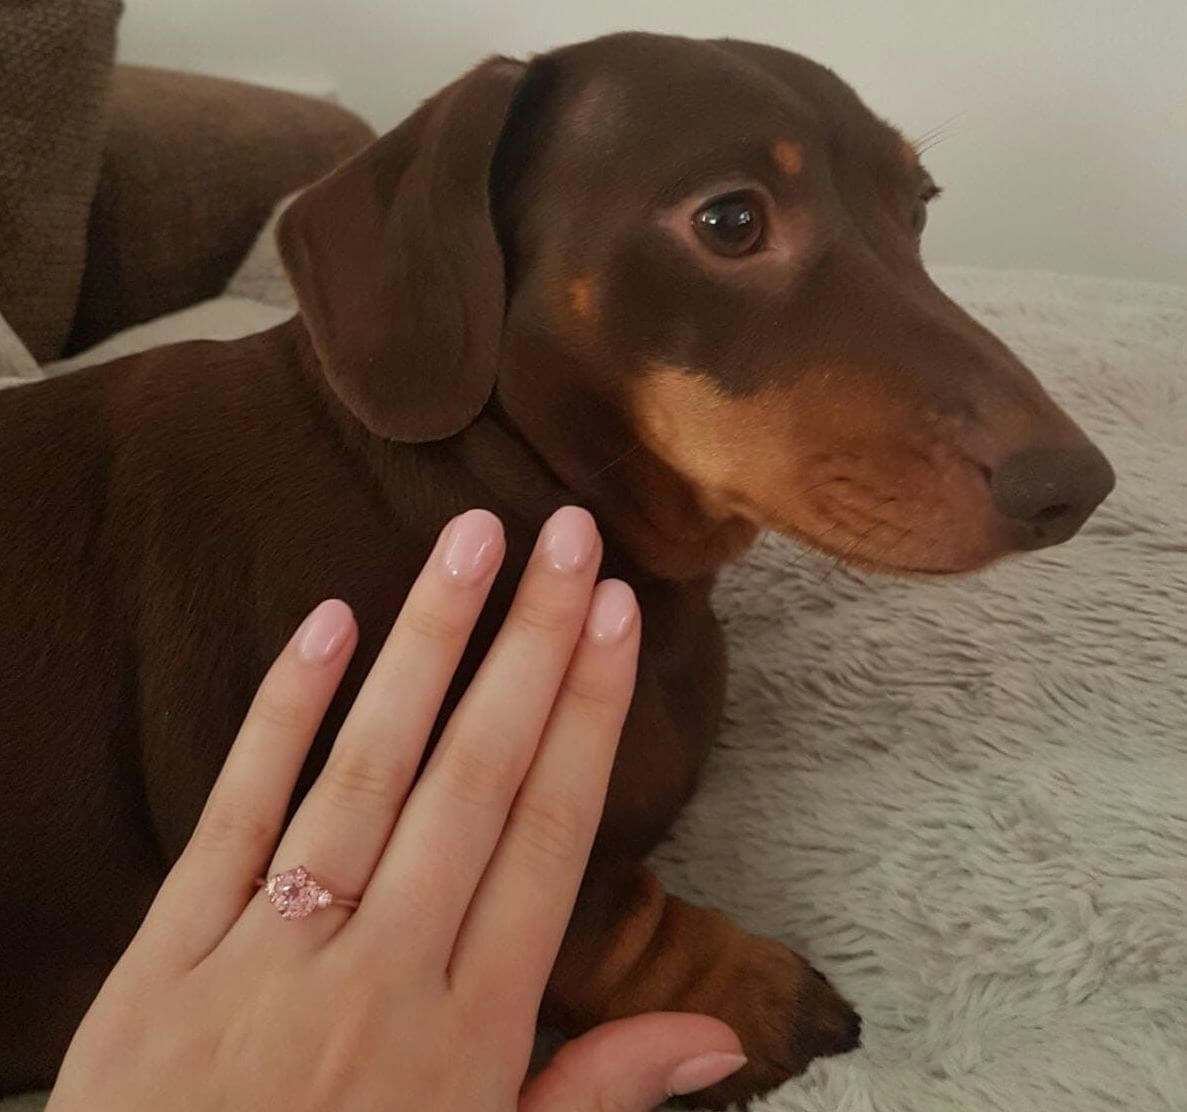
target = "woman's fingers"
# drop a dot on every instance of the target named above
(343, 824)
(519, 914)
(454, 819)
(205, 892)
(455, 815)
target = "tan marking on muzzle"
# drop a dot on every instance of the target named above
(759, 456)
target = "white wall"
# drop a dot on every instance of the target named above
(1067, 148)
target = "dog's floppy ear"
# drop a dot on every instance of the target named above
(397, 267)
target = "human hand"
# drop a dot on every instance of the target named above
(426, 996)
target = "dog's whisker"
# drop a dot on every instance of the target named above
(807, 550)
(837, 562)
(903, 535)
(817, 486)
(934, 142)
(614, 462)
(840, 559)
(936, 134)
(852, 575)
(849, 551)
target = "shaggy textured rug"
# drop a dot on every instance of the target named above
(966, 800)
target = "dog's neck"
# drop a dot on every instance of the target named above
(651, 518)
(572, 413)
(642, 506)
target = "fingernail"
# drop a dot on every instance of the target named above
(471, 545)
(700, 1073)
(611, 613)
(569, 538)
(324, 632)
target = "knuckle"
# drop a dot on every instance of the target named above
(611, 1102)
(553, 830)
(434, 626)
(353, 782)
(232, 826)
(476, 777)
(590, 695)
(544, 616)
(280, 714)
(572, 1075)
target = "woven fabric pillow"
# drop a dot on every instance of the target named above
(55, 66)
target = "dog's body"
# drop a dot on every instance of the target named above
(169, 518)
(164, 606)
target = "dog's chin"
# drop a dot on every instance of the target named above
(908, 571)
(975, 539)
(886, 561)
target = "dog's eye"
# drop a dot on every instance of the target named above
(730, 226)
(919, 214)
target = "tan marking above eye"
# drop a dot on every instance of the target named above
(788, 156)
(581, 297)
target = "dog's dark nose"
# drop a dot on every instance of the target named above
(1050, 492)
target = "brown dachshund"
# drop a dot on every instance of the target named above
(677, 282)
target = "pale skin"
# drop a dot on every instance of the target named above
(426, 996)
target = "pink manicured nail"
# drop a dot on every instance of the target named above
(324, 632)
(612, 611)
(700, 1073)
(568, 538)
(471, 546)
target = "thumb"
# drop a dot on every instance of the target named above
(635, 1064)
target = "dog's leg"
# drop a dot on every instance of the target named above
(633, 948)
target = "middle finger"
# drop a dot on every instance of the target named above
(456, 813)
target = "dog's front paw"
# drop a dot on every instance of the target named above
(783, 1010)
(661, 954)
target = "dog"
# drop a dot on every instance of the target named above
(675, 281)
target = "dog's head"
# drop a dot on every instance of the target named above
(689, 273)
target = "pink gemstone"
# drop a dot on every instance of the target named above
(294, 893)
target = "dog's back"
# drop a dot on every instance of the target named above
(63, 704)
(58, 598)
(165, 522)
(155, 517)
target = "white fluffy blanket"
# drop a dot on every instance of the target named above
(966, 800)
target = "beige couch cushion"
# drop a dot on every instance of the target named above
(55, 64)
(17, 366)
(192, 166)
